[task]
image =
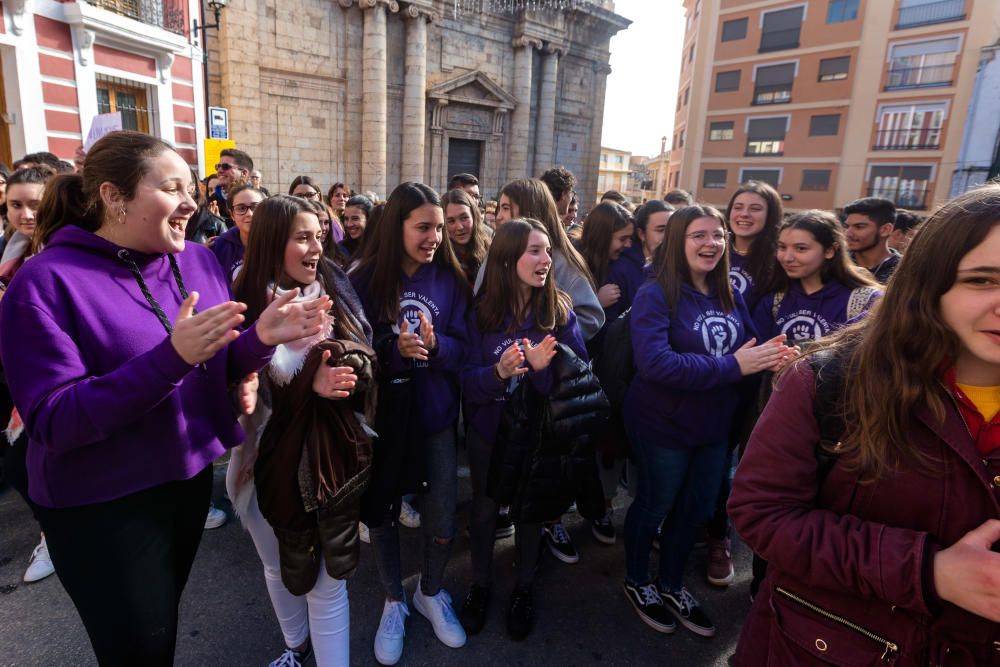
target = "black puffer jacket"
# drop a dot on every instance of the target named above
(543, 458)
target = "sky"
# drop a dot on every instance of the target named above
(645, 66)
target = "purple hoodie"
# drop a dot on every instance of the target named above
(229, 250)
(109, 406)
(805, 317)
(687, 383)
(484, 395)
(626, 272)
(436, 292)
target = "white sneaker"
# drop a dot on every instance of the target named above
(391, 632)
(408, 516)
(363, 533)
(438, 610)
(215, 517)
(40, 565)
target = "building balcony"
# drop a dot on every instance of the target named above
(931, 13)
(914, 199)
(931, 76)
(779, 40)
(166, 14)
(773, 94)
(922, 139)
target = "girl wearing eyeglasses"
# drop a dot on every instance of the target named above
(693, 342)
(230, 246)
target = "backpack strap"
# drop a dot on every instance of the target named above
(827, 408)
(859, 300)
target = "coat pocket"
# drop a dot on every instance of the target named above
(804, 633)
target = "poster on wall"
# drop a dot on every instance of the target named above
(103, 123)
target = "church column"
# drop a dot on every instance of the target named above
(373, 126)
(414, 94)
(588, 191)
(517, 147)
(545, 139)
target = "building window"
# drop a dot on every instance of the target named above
(735, 29)
(910, 127)
(126, 98)
(926, 12)
(720, 131)
(781, 29)
(906, 186)
(714, 178)
(691, 54)
(919, 64)
(842, 10)
(680, 142)
(727, 81)
(773, 84)
(766, 136)
(770, 176)
(816, 180)
(824, 126)
(834, 69)
(687, 94)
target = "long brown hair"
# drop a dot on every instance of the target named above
(762, 263)
(598, 228)
(474, 252)
(382, 253)
(264, 263)
(901, 347)
(670, 264)
(533, 200)
(548, 305)
(827, 231)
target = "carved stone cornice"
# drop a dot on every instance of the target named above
(84, 44)
(419, 11)
(18, 15)
(524, 40)
(391, 5)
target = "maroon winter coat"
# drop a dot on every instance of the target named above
(850, 580)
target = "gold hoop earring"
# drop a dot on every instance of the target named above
(121, 216)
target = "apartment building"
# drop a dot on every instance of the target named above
(827, 100)
(613, 171)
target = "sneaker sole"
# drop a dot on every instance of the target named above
(563, 557)
(409, 524)
(447, 642)
(723, 583)
(603, 539)
(697, 629)
(382, 660)
(36, 578)
(659, 627)
(503, 533)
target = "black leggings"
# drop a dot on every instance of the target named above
(125, 562)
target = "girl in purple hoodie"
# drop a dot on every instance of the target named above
(416, 296)
(121, 344)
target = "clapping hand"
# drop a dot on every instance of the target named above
(768, 356)
(608, 295)
(539, 356)
(197, 337)
(333, 382)
(285, 320)
(427, 333)
(511, 363)
(246, 394)
(410, 345)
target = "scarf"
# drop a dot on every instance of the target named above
(289, 357)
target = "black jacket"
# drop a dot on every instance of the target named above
(203, 226)
(544, 458)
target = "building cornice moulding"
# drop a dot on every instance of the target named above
(94, 25)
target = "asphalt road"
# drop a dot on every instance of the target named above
(582, 616)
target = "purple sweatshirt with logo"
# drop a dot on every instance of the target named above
(436, 292)
(806, 317)
(626, 272)
(229, 250)
(109, 406)
(483, 393)
(687, 382)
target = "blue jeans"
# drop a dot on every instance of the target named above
(678, 488)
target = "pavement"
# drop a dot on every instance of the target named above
(582, 615)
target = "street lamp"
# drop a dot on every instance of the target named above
(216, 6)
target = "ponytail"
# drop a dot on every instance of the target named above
(63, 203)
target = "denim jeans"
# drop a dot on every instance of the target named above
(437, 520)
(677, 487)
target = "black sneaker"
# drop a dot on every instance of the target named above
(683, 605)
(292, 658)
(603, 529)
(504, 528)
(649, 605)
(559, 542)
(474, 609)
(521, 613)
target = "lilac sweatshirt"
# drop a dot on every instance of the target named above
(437, 293)
(687, 383)
(109, 406)
(229, 250)
(805, 317)
(484, 395)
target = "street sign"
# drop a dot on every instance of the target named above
(218, 123)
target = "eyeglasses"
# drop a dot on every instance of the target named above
(243, 209)
(224, 166)
(702, 238)
(312, 194)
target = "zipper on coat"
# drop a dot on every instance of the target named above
(891, 648)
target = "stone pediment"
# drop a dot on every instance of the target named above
(473, 88)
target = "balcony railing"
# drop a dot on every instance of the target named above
(919, 77)
(778, 40)
(908, 140)
(166, 14)
(933, 12)
(914, 199)
(780, 93)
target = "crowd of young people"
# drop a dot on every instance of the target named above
(365, 344)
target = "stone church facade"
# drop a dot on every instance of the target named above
(375, 92)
